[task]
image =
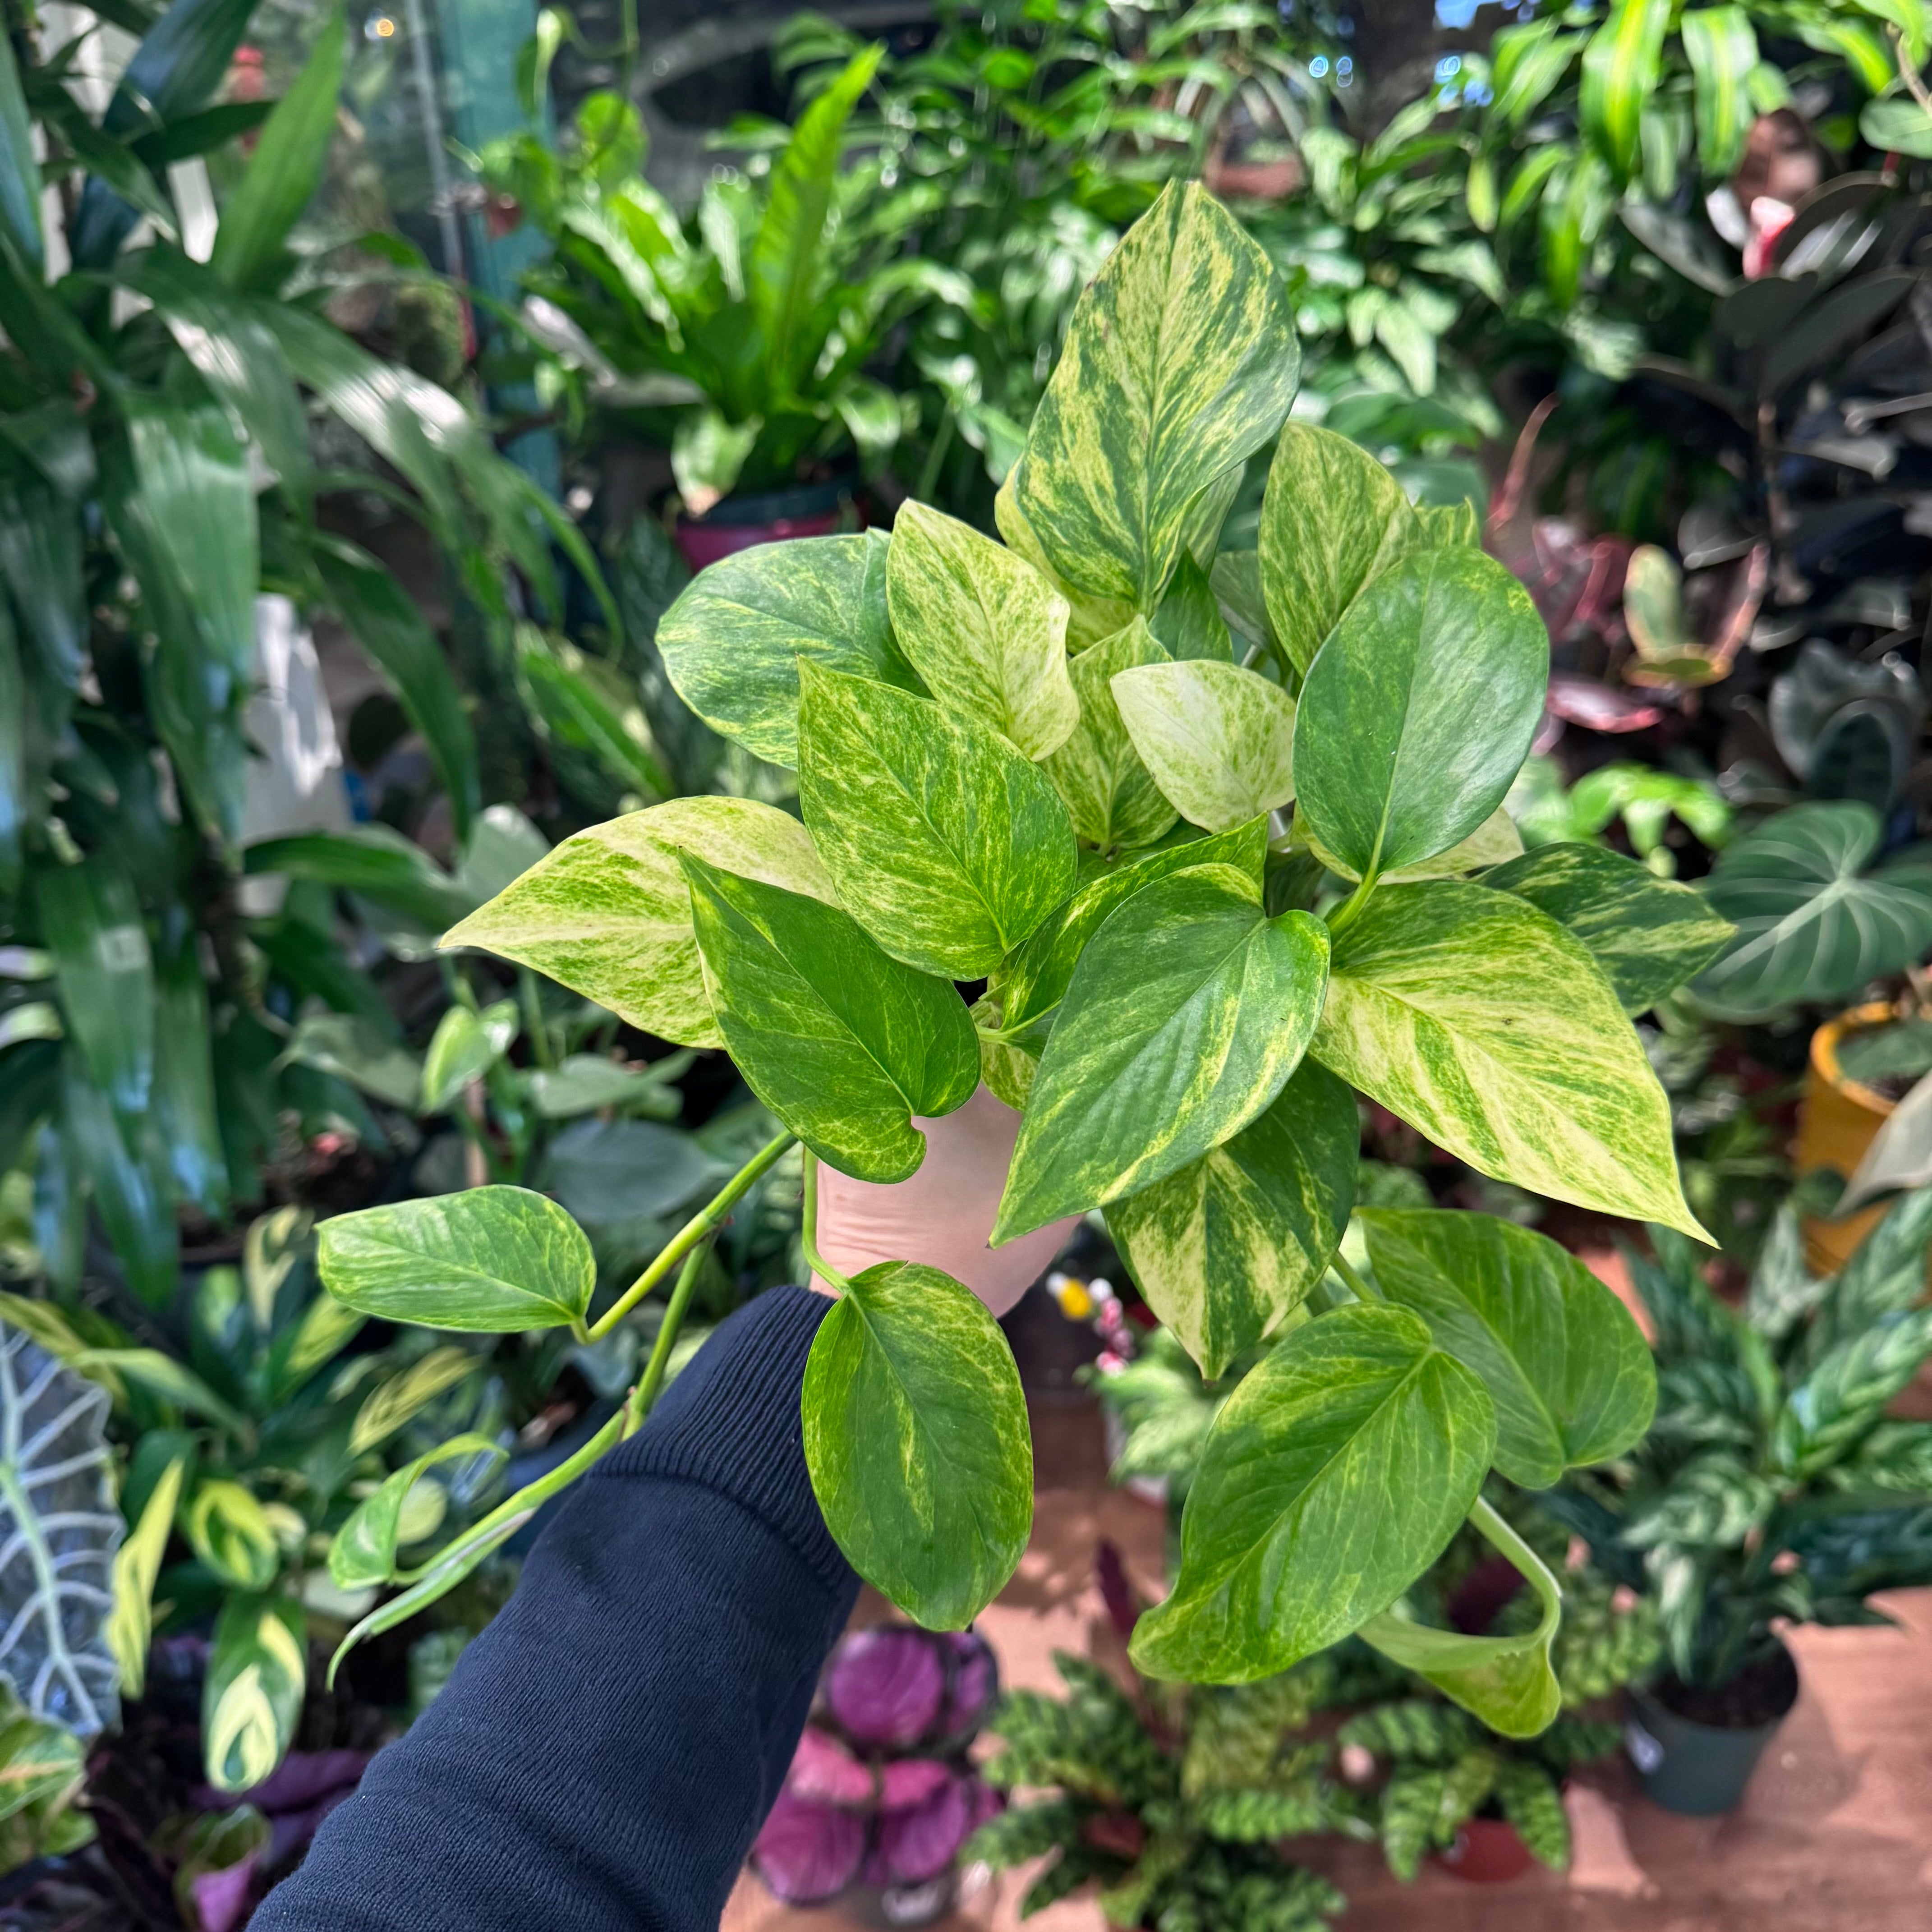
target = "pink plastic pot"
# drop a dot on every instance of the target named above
(739, 523)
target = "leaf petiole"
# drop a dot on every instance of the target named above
(1346, 914)
(1358, 1284)
(646, 1393)
(808, 1230)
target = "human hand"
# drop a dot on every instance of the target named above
(943, 1215)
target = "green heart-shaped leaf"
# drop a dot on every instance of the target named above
(1649, 935)
(1224, 1248)
(495, 1260)
(947, 844)
(985, 630)
(1332, 1477)
(1419, 710)
(916, 1435)
(363, 1551)
(1219, 740)
(1110, 794)
(1189, 623)
(1482, 1023)
(1568, 1370)
(1180, 360)
(841, 1041)
(463, 1048)
(733, 641)
(608, 913)
(1186, 1014)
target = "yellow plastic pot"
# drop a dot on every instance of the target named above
(1837, 1118)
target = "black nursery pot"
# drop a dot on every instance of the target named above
(1695, 1750)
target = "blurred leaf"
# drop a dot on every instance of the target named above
(463, 1048)
(355, 1050)
(585, 705)
(406, 1396)
(609, 1171)
(363, 1551)
(257, 1672)
(138, 1562)
(19, 172)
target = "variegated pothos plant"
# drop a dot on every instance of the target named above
(1062, 765)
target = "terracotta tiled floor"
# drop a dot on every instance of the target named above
(1835, 1834)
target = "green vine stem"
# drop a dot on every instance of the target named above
(815, 1261)
(1358, 1284)
(1521, 1558)
(646, 1393)
(700, 1227)
(1346, 914)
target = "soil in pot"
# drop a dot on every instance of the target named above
(1696, 1746)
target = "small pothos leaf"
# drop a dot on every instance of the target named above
(1109, 793)
(130, 1628)
(1184, 1018)
(363, 1551)
(60, 1531)
(608, 913)
(916, 1438)
(1332, 1477)
(1494, 841)
(844, 1043)
(257, 1672)
(493, 1260)
(463, 1048)
(1223, 1250)
(1220, 740)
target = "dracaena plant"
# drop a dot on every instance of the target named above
(1090, 832)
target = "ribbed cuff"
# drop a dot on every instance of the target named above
(730, 1424)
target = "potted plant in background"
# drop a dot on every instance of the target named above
(1771, 1487)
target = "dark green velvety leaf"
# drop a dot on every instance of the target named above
(1419, 710)
(493, 1260)
(916, 1437)
(1649, 935)
(1109, 793)
(1567, 1368)
(1224, 1248)
(733, 641)
(1332, 1477)
(844, 1043)
(948, 845)
(1184, 1018)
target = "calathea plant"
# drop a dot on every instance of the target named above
(979, 805)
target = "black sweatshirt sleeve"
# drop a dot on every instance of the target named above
(606, 1750)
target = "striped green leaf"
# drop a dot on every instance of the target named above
(841, 1041)
(1721, 45)
(229, 1530)
(1181, 360)
(1568, 1369)
(1185, 1016)
(1332, 1477)
(363, 1551)
(1649, 935)
(1419, 711)
(1484, 1025)
(1226, 1247)
(1109, 793)
(916, 1439)
(732, 642)
(1621, 68)
(1219, 740)
(608, 913)
(137, 1563)
(257, 1672)
(949, 846)
(1526, 63)
(985, 630)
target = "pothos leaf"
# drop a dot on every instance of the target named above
(363, 1551)
(1220, 740)
(1109, 793)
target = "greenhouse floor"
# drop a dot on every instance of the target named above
(1835, 1834)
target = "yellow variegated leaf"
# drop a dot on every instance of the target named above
(985, 629)
(1220, 740)
(1109, 793)
(1181, 360)
(1721, 44)
(1091, 618)
(257, 1671)
(608, 913)
(137, 1563)
(231, 1533)
(1620, 74)
(408, 1394)
(1488, 1028)
(1493, 842)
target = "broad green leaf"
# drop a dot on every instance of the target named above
(1446, 524)
(841, 1041)
(230, 1531)
(1506, 1682)
(185, 1106)
(1333, 518)
(1721, 45)
(356, 1049)
(285, 170)
(1224, 1248)
(463, 1048)
(733, 641)
(1812, 925)
(1219, 740)
(1090, 618)
(257, 1672)
(984, 629)
(1034, 981)
(1185, 1016)
(1621, 65)
(380, 864)
(708, 452)
(1235, 578)
(495, 1260)
(1189, 623)
(1180, 360)
(916, 1435)
(363, 1551)
(91, 922)
(125, 1166)
(403, 1397)
(948, 845)
(608, 913)
(1649, 934)
(1333, 1477)
(1488, 1028)
(19, 170)
(1109, 793)
(1568, 1370)
(586, 707)
(1897, 126)
(1493, 843)
(1419, 710)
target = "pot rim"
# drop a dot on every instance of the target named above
(1825, 1043)
(1646, 1693)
